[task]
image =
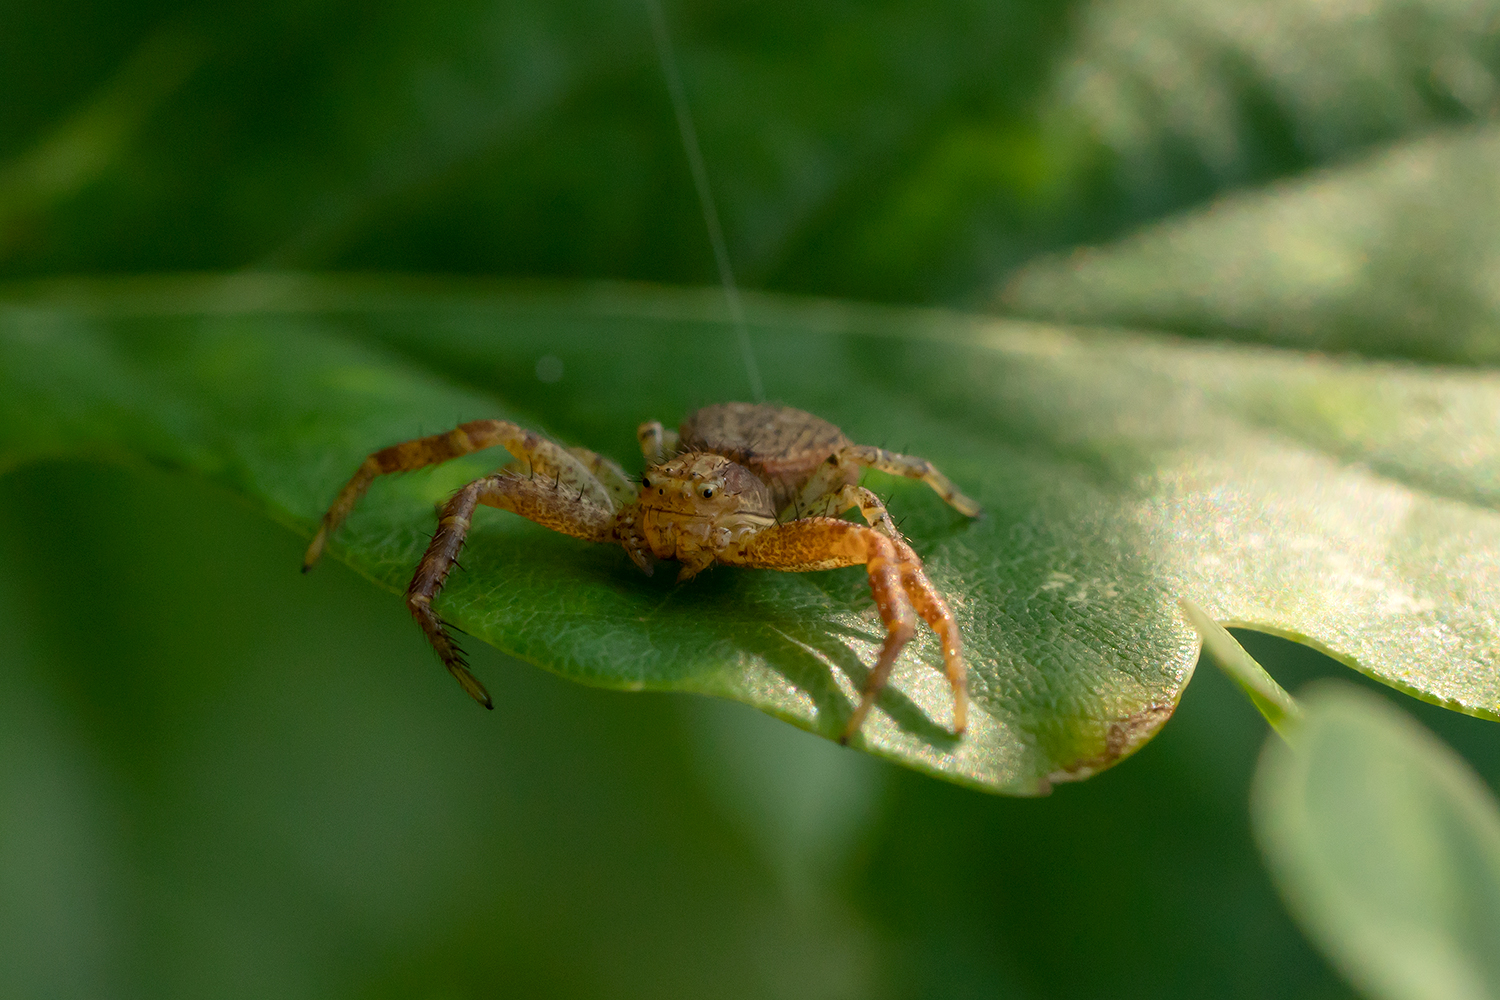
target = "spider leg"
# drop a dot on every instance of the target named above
(924, 597)
(934, 611)
(895, 610)
(912, 468)
(537, 452)
(657, 442)
(820, 495)
(923, 594)
(870, 506)
(609, 474)
(548, 502)
(897, 582)
(606, 470)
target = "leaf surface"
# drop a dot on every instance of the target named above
(1394, 255)
(1386, 847)
(1119, 473)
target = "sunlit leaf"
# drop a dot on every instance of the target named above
(1117, 473)
(1393, 255)
(1386, 846)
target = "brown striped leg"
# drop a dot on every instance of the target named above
(912, 468)
(657, 443)
(548, 502)
(870, 506)
(542, 457)
(609, 474)
(442, 553)
(606, 470)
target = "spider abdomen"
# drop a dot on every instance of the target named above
(782, 446)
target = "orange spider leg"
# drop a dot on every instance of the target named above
(934, 611)
(924, 597)
(826, 543)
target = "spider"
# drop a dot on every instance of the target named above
(739, 484)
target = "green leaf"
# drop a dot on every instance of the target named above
(85, 144)
(848, 154)
(1241, 87)
(1386, 847)
(1394, 255)
(1118, 473)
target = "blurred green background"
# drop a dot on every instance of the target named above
(218, 778)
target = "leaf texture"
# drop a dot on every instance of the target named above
(1275, 489)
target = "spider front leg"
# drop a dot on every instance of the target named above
(896, 582)
(546, 501)
(536, 453)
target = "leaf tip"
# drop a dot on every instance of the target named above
(1122, 737)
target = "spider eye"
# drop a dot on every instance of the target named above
(646, 482)
(708, 492)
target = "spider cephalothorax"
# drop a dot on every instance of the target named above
(741, 485)
(692, 507)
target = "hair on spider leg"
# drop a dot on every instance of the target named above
(458, 666)
(447, 628)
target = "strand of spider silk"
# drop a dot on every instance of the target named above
(705, 194)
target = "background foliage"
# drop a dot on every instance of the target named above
(217, 781)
